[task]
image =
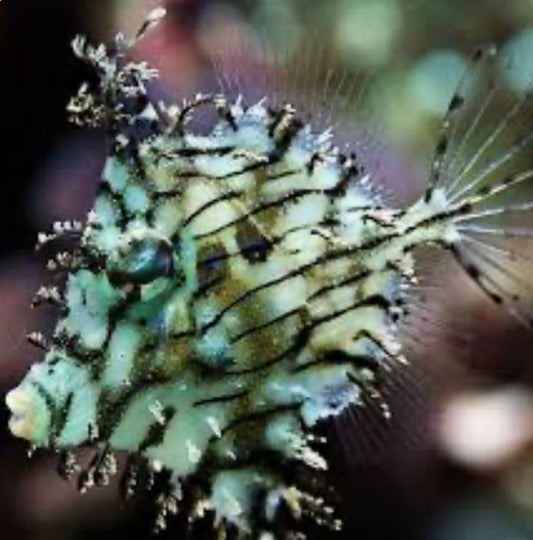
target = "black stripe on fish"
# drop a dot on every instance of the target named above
(62, 416)
(293, 196)
(220, 399)
(259, 416)
(323, 259)
(156, 432)
(273, 322)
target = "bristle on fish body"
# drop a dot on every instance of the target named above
(231, 290)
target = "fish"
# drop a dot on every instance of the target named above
(232, 289)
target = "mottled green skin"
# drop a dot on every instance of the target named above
(231, 291)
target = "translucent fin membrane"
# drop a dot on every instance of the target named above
(483, 166)
(438, 342)
(329, 98)
(393, 420)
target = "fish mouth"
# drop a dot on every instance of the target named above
(25, 409)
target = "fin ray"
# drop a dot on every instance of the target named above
(484, 172)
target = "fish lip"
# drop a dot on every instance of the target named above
(28, 418)
(18, 403)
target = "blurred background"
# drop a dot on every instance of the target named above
(459, 465)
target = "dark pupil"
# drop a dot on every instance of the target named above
(256, 249)
(253, 245)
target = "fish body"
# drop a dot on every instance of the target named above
(229, 291)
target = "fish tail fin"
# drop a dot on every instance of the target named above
(483, 166)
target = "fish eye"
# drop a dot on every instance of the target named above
(142, 256)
